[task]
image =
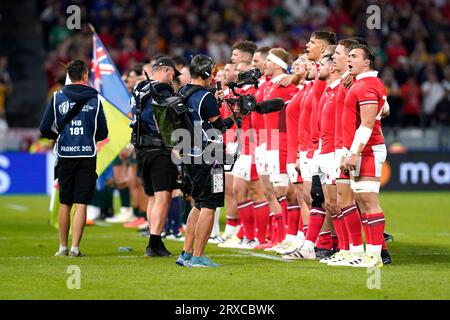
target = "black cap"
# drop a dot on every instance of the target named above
(166, 62)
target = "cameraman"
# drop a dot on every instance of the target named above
(206, 174)
(158, 172)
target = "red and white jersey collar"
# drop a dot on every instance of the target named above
(278, 78)
(367, 74)
(334, 84)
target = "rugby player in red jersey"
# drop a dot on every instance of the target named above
(277, 64)
(296, 205)
(232, 224)
(315, 49)
(363, 137)
(241, 51)
(247, 188)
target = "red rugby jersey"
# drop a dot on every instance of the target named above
(318, 89)
(277, 120)
(367, 89)
(246, 137)
(230, 135)
(327, 118)
(304, 122)
(258, 119)
(292, 116)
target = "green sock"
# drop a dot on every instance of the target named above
(125, 197)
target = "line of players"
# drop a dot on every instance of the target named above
(307, 180)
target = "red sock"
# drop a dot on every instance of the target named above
(325, 240)
(280, 223)
(338, 229)
(280, 220)
(241, 231)
(305, 229)
(365, 226)
(335, 241)
(233, 222)
(300, 221)
(273, 228)
(353, 224)
(293, 219)
(247, 215)
(375, 226)
(316, 217)
(284, 205)
(345, 237)
(262, 218)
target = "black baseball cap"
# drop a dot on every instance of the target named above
(166, 62)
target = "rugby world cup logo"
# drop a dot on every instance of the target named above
(64, 107)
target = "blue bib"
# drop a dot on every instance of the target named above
(77, 138)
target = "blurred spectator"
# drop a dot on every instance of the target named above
(6, 85)
(395, 49)
(410, 93)
(413, 35)
(432, 92)
(394, 98)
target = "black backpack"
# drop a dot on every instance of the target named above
(170, 112)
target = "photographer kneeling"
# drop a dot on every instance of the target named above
(205, 167)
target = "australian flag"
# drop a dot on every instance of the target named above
(106, 79)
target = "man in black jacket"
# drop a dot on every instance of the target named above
(74, 118)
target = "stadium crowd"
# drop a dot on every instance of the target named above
(412, 48)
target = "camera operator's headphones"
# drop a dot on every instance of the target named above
(202, 65)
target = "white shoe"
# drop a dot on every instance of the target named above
(232, 242)
(248, 244)
(144, 226)
(292, 246)
(336, 258)
(224, 237)
(279, 248)
(365, 261)
(214, 240)
(126, 215)
(92, 212)
(301, 254)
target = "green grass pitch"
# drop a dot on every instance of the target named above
(420, 223)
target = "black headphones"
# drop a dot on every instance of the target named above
(202, 65)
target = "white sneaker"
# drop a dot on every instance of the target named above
(337, 257)
(126, 215)
(214, 240)
(365, 261)
(144, 226)
(248, 244)
(279, 248)
(92, 212)
(301, 254)
(225, 236)
(230, 242)
(292, 246)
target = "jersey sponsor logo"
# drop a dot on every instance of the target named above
(87, 108)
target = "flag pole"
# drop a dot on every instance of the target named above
(91, 27)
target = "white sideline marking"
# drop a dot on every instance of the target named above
(16, 207)
(262, 255)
